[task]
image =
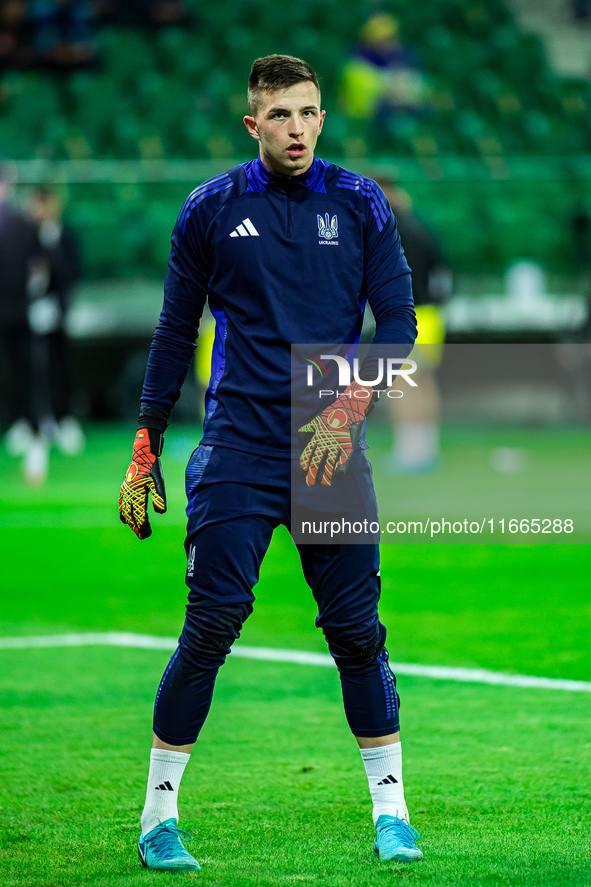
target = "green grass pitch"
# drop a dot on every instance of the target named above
(497, 778)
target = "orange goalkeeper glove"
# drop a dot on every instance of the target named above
(335, 430)
(143, 478)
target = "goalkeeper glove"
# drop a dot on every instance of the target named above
(143, 478)
(336, 431)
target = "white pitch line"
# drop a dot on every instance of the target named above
(300, 657)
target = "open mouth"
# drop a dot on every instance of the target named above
(296, 149)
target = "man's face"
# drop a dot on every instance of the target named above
(43, 208)
(287, 125)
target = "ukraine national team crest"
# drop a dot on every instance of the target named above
(191, 561)
(328, 229)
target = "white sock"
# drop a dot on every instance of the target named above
(164, 780)
(383, 766)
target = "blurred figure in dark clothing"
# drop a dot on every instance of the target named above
(62, 33)
(12, 32)
(48, 319)
(581, 10)
(416, 418)
(431, 276)
(23, 277)
(157, 13)
(581, 230)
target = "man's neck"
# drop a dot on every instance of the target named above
(287, 175)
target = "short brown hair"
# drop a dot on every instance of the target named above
(277, 72)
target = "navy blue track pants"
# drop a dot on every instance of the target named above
(230, 524)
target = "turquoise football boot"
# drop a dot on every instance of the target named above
(395, 840)
(161, 849)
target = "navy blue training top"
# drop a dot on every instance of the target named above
(282, 260)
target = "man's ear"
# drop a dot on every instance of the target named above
(322, 116)
(251, 125)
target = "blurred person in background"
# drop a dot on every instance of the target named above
(24, 274)
(12, 32)
(415, 419)
(581, 232)
(62, 33)
(581, 10)
(383, 78)
(160, 13)
(154, 13)
(48, 320)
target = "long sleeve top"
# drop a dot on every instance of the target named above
(283, 261)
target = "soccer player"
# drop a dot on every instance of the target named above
(253, 242)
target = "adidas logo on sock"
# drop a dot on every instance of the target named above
(246, 229)
(389, 780)
(164, 787)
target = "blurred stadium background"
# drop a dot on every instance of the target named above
(496, 159)
(497, 163)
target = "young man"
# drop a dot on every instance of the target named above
(251, 242)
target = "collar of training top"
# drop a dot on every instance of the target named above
(312, 180)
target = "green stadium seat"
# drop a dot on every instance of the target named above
(126, 53)
(179, 92)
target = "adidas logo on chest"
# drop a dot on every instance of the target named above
(245, 229)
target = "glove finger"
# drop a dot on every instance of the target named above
(342, 468)
(125, 507)
(355, 433)
(157, 488)
(158, 503)
(133, 500)
(342, 458)
(311, 466)
(144, 531)
(306, 456)
(129, 519)
(316, 468)
(328, 473)
(121, 517)
(326, 467)
(141, 520)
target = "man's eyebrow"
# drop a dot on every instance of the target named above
(275, 108)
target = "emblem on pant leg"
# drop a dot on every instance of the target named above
(191, 561)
